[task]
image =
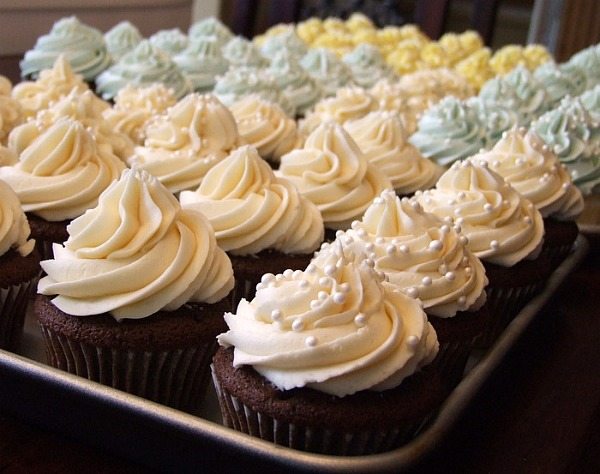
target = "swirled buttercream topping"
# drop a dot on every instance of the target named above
(367, 65)
(83, 47)
(349, 103)
(241, 52)
(136, 253)
(333, 328)
(172, 41)
(51, 85)
(202, 62)
(61, 173)
(449, 131)
(420, 255)
(502, 226)
(533, 170)
(574, 136)
(185, 142)
(14, 228)
(381, 137)
(122, 38)
(518, 91)
(588, 60)
(135, 107)
(85, 108)
(334, 174)
(294, 82)
(143, 66)
(288, 41)
(560, 81)
(327, 69)
(266, 126)
(251, 209)
(210, 27)
(495, 117)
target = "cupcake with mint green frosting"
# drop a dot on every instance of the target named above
(210, 27)
(561, 80)
(294, 82)
(239, 82)
(519, 91)
(241, 52)
(172, 41)
(202, 62)
(327, 69)
(574, 136)
(449, 131)
(588, 60)
(122, 38)
(367, 65)
(83, 46)
(143, 66)
(496, 118)
(288, 41)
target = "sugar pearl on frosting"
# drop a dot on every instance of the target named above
(304, 284)
(298, 325)
(459, 221)
(369, 262)
(468, 270)
(457, 211)
(379, 241)
(288, 273)
(370, 247)
(360, 320)
(325, 282)
(329, 269)
(322, 295)
(412, 341)
(403, 248)
(448, 220)
(297, 274)
(426, 281)
(361, 233)
(339, 233)
(339, 298)
(462, 301)
(445, 229)
(267, 278)
(487, 207)
(276, 315)
(435, 245)
(528, 220)
(348, 240)
(344, 287)
(390, 250)
(279, 277)
(494, 245)
(412, 292)
(450, 276)
(464, 240)
(310, 341)
(312, 268)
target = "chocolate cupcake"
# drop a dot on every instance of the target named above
(140, 288)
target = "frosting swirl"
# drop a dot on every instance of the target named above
(210, 27)
(242, 52)
(419, 254)
(327, 69)
(495, 117)
(560, 80)
(136, 253)
(183, 144)
(83, 47)
(202, 62)
(333, 173)
(251, 209)
(122, 38)
(14, 228)
(265, 126)
(367, 65)
(381, 137)
(287, 40)
(61, 172)
(534, 171)
(172, 41)
(335, 329)
(143, 66)
(502, 226)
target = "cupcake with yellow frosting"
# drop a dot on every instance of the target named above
(328, 359)
(19, 267)
(135, 296)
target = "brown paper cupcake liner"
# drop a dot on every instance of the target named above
(177, 378)
(13, 305)
(241, 417)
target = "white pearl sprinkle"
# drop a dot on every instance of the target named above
(288, 273)
(329, 269)
(412, 292)
(457, 228)
(344, 287)
(325, 282)
(310, 341)
(322, 295)
(390, 250)
(304, 284)
(355, 224)
(445, 229)
(379, 241)
(528, 220)
(404, 248)
(267, 278)
(370, 247)
(457, 211)
(339, 233)
(259, 286)
(459, 221)
(448, 220)
(297, 274)
(361, 233)
(452, 202)
(494, 245)
(464, 240)
(312, 268)
(279, 277)
(462, 300)
(339, 298)
(348, 240)
(360, 320)
(396, 241)
(426, 281)
(435, 245)
(297, 325)
(276, 315)
(412, 341)
(468, 270)
(369, 262)
(450, 276)
(487, 207)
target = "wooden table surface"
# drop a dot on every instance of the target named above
(539, 413)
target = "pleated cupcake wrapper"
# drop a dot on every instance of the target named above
(240, 417)
(45, 249)
(13, 305)
(504, 304)
(557, 253)
(451, 360)
(176, 378)
(243, 288)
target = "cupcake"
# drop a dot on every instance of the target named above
(367, 65)
(504, 230)
(560, 80)
(172, 41)
(288, 41)
(19, 267)
(328, 360)
(332, 172)
(240, 52)
(349, 103)
(59, 175)
(534, 171)
(210, 27)
(83, 47)
(496, 119)
(381, 137)
(424, 258)
(260, 220)
(588, 61)
(185, 142)
(135, 107)
(143, 66)
(265, 126)
(202, 62)
(51, 85)
(327, 70)
(122, 38)
(135, 296)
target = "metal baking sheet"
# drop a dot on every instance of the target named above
(164, 438)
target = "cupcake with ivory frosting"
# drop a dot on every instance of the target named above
(135, 296)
